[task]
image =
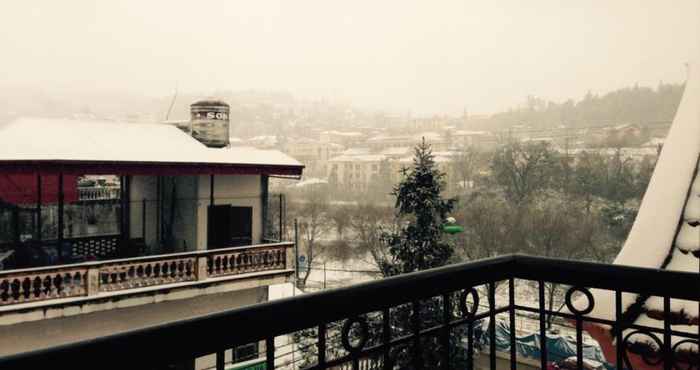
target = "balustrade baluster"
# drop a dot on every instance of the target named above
(90, 280)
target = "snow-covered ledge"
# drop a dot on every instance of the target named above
(665, 235)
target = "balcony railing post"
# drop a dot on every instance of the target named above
(92, 281)
(543, 323)
(492, 325)
(415, 329)
(202, 273)
(270, 353)
(511, 316)
(386, 339)
(446, 318)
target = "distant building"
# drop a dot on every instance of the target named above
(476, 139)
(193, 226)
(357, 170)
(262, 141)
(397, 152)
(432, 123)
(381, 142)
(344, 138)
(354, 172)
(313, 153)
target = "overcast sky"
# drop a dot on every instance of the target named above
(418, 56)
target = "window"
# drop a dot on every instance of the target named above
(229, 226)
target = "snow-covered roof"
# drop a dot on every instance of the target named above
(175, 122)
(308, 182)
(470, 133)
(358, 158)
(403, 150)
(269, 140)
(428, 135)
(342, 133)
(356, 151)
(382, 137)
(446, 153)
(38, 139)
(538, 139)
(654, 142)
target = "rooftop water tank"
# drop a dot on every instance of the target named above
(210, 122)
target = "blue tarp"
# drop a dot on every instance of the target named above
(558, 347)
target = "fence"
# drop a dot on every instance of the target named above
(424, 320)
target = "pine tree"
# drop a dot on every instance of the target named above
(419, 244)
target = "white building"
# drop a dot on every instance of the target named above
(193, 228)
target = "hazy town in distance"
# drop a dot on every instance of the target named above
(367, 186)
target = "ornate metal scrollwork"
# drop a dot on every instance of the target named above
(466, 312)
(570, 304)
(651, 356)
(690, 359)
(361, 335)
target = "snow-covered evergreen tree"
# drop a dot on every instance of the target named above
(419, 243)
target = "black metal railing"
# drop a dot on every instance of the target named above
(445, 318)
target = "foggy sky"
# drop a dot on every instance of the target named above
(418, 56)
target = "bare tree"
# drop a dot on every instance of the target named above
(368, 222)
(485, 219)
(562, 228)
(522, 170)
(466, 165)
(314, 222)
(341, 220)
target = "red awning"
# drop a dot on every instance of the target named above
(22, 189)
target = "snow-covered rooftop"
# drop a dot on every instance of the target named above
(358, 158)
(396, 151)
(308, 182)
(342, 133)
(356, 151)
(428, 135)
(654, 142)
(469, 133)
(38, 139)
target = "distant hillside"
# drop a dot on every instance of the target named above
(637, 105)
